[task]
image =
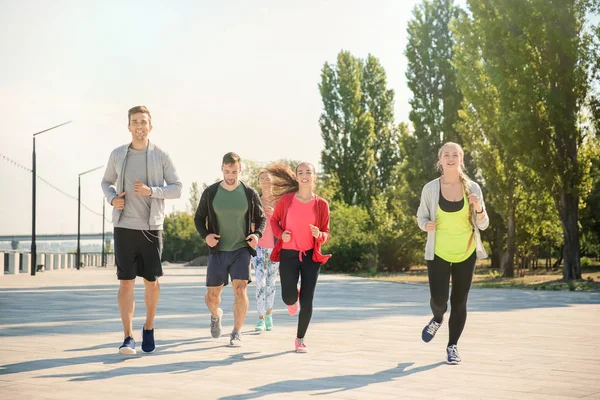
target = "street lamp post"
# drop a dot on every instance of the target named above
(33, 203)
(103, 249)
(78, 258)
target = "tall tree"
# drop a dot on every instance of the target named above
(401, 242)
(539, 56)
(194, 199)
(486, 129)
(436, 96)
(590, 218)
(250, 171)
(347, 129)
(378, 101)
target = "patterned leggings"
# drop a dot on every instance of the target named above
(266, 276)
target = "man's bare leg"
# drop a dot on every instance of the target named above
(151, 296)
(213, 300)
(126, 305)
(240, 306)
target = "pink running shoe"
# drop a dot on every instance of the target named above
(293, 309)
(300, 346)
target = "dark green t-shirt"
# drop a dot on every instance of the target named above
(230, 208)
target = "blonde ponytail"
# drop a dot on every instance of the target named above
(466, 184)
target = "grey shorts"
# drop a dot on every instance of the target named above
(225, 264)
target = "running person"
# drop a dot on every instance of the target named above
(138, 177)
(265, 270)
(452, 212)
(301, 221)
(231, 220)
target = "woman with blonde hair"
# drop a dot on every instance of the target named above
(452, 212)
(301, 221)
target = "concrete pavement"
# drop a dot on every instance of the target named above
(60, 330)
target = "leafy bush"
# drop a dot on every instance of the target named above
(181, 239)
(353, 244)
(585, 262)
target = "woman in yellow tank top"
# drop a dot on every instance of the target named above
(452, 212)
(453, 232)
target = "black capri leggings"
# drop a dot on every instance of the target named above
(290, 269)
(439, 271)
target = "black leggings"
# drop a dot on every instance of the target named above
(439, 271)
(290, 269)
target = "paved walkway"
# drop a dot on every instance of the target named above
(59, 333)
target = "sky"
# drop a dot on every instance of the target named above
(217, 77)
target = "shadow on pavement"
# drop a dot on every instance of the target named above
(333, 384)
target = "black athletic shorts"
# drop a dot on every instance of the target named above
(221, 266)
(138, 253)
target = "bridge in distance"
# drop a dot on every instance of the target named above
(15, 239)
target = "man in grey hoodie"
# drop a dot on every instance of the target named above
(138, 178)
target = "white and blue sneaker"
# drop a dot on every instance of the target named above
(430, 330)
(453, 357)
(128, 346)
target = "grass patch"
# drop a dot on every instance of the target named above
(485, 277)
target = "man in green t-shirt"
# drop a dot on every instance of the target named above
(231, 220)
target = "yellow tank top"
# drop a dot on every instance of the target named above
(453, 234)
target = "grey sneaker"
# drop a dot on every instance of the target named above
(235, 340)
(452, 352)
(430, 330)
(215, 324)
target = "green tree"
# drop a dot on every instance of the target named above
(347, 129)
(401, 242)
(194, 199)
(590, 218)
(434, 111)
(181, 239)
(436, 96)
(378, 101)
(539, 57)
(486, 130)
(536, 217)
(108, 247)
(250, 171)
(182, 242)
(353, 241)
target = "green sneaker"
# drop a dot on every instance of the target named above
(269, 321)
(260, 326)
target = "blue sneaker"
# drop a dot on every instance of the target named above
(128, 346)
(430, 330)
(148, 341)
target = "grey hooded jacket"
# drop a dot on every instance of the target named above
(160, 170)
(430, 197)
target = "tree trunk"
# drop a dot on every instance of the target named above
(497, 240)
(497, 250)
(508, 261)
(560, 257)
(549, 255)
(569, 210)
